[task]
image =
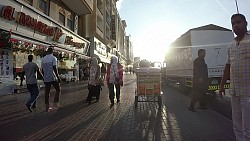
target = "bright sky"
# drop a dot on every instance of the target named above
(154, 24)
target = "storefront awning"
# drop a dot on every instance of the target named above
(102, 59)
(83, 56)
(19, 38)
(63, 50)
(111, 43)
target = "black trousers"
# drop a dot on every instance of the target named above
(198, 95)
(57, 86)
(112, 92)
(93, 91)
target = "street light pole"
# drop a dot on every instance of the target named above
(237, 6)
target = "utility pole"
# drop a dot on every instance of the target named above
(237, 6)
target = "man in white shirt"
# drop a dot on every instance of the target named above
(51, 77)
(238, 71)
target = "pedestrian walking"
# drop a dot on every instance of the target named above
(103, 71)
(130, 70)
(51, 77)
(86, 73)
(114, 78)
(238, 71)
(200, 82)
(29, 70)
(94, 78)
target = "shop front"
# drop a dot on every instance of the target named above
(30, 32)
(6, 66)
(99, 50)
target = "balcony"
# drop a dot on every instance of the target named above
(80, 7)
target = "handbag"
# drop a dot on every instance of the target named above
(101, 82)
(117, 80)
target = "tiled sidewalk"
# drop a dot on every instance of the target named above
(123, 122)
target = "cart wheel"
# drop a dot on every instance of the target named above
(136, 101)
(159, 101)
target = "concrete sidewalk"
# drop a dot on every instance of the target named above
(123, 122)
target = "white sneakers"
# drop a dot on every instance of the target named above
(56, 106)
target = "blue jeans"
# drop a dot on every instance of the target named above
(34, 92)
(241, 117)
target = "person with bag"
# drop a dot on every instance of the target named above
(94, 86)
(114, 78)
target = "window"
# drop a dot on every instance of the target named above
(30, 2)
(61, 18)
(70, 22)
(43, 6)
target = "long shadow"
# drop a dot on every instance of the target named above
(144, 123)
(29, 125)
(22, 101)
(149, 124)
(203, 125)
(115, 128)
(68, 134)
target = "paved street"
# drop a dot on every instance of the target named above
(123, 122)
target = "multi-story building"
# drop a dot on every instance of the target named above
(30, 26)
(105, 30)
(121, 41)
(129, 51)
(136, 62)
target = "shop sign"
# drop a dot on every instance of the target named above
(30, 22)
(7, 13)
(113, 27)
(69, 41)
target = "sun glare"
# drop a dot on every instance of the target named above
(152, 43)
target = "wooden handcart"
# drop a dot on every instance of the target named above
(148, 85)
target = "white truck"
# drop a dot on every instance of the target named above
(178, 64)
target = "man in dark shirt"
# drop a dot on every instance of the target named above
(200, 81)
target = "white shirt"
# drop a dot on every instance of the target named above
(239, 60)
(47, 65)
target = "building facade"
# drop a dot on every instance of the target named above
(31, 26)
(129, 53)
(105, 31)
(77, 30)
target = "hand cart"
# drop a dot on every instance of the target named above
(148, 85)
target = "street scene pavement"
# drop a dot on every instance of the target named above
(78, 121)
